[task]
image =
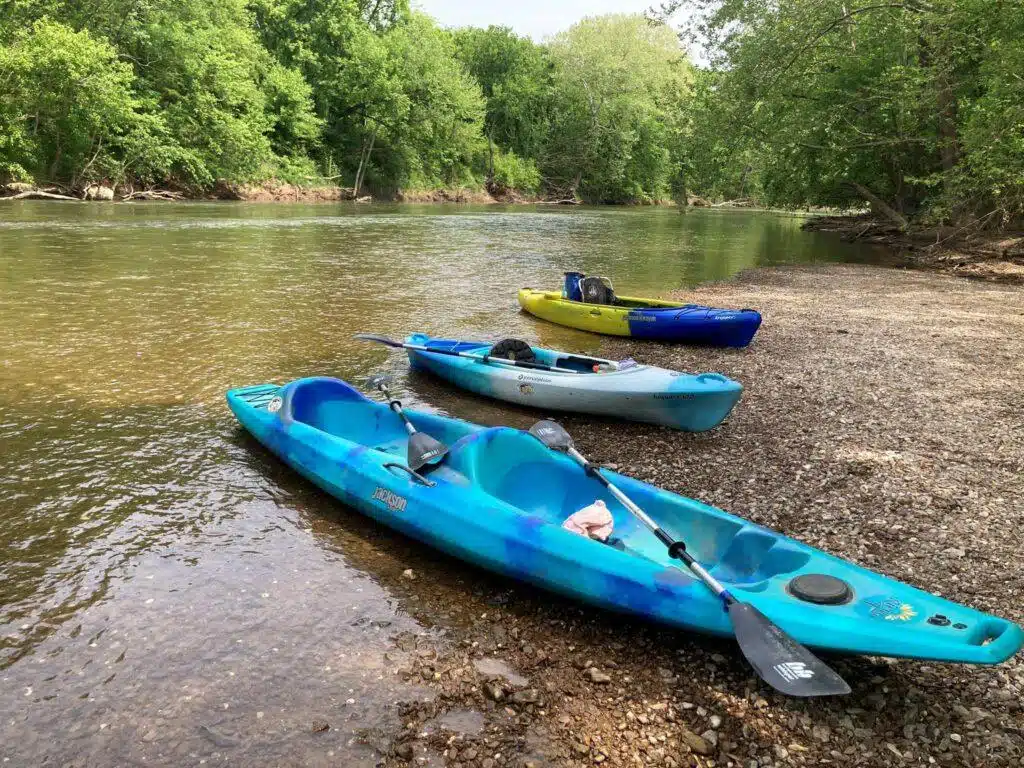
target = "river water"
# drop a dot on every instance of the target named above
(168, 593)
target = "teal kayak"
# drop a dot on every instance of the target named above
(627, 390)
(500, 497)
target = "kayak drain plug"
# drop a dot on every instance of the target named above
(820, 588)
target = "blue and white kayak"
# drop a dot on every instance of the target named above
(500, 497)
(692, 402)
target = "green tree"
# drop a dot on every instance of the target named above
(198, 98)
(910, 106)
(514, 75)
(67, 109)
(620, 88)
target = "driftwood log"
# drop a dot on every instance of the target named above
(38, 194)
(153, 194)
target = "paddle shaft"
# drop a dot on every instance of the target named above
(676, 549)
(487, 359)
(396, 406)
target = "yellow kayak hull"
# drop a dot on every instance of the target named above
(642, 318)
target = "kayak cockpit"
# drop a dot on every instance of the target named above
(562, 360)
(519, 470)
(334, 407)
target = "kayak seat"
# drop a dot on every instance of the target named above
(513, 349)
(334, 407)
(755, 555)
(519, 470)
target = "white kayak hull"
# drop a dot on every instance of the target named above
(691, 402)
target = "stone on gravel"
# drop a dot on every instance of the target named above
(404, 751)
(494, 691)
(697, 743)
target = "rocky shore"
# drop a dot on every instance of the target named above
(881, 422)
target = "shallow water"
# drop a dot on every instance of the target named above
(168, 592)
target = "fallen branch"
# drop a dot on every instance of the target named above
(741, 203)
(975, 223)
(151, 194)
(38, 194)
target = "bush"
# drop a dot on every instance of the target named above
(512, 172)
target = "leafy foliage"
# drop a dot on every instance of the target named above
(915, 106)
(912, 106)
(515, 76)
(67, 108)
(619, 85)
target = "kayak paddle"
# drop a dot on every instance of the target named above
(454, 353)
(777, 658)
(423, 449)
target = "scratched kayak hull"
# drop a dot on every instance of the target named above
(651, 319)
(646, 393)
(499, 499)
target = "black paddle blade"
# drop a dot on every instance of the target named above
(380, 339)
(780, 660)
(424, 450)
(380, 381)
(552, 434)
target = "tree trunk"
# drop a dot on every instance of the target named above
(364, 160)
(949, 150)
(879, 206)
(490, 161)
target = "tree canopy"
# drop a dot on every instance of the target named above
(916, 107)
(913, 106)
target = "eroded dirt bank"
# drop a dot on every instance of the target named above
(881, 422)
(987, 255)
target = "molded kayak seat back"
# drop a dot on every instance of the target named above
(334, 407)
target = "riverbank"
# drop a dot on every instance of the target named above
(268, 192)
(880, 423)
(997, 256)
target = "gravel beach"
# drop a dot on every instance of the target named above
(882, 423)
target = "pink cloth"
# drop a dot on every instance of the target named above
(594, 521)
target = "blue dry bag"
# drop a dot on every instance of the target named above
(571, 289)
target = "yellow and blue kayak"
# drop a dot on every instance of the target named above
(641, 318)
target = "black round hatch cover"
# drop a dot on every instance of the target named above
(821, 589)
